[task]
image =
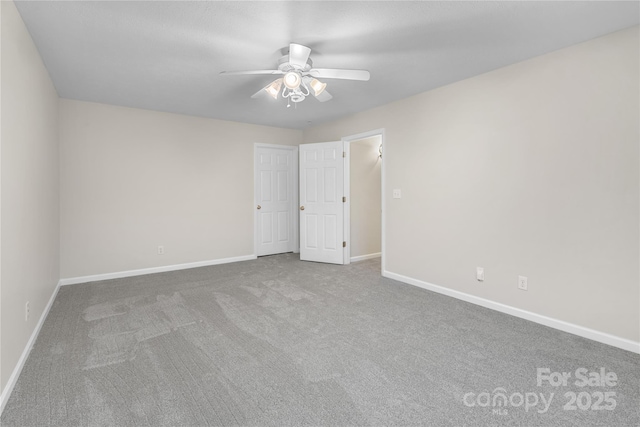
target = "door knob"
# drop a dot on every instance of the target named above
(259, 207)
(301, 208)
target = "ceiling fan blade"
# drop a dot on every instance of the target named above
(324, 96)
(298, 55)
(333, 73)
(259, 93)
(238, 73)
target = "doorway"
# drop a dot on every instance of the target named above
(364, 188)
(365, 174)
(328, 213)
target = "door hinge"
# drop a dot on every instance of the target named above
(344, 244)
(344, 199)
(344, 154)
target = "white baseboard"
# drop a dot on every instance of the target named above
(571, 328)
(143, 271)
(363, 257)
(8, 388)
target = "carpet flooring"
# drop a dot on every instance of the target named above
(280, 342)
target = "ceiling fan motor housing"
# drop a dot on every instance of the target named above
(284, 65)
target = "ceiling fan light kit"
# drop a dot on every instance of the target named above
(300, 79)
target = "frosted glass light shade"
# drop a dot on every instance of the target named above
(274, 88)
(317, 86)
(292, 80)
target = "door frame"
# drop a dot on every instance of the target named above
(294, 227)
(347, 192)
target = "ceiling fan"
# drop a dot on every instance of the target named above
(299, 78)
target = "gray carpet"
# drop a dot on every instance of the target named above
(279, 342)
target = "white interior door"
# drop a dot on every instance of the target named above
(274, 198)
(321, 202)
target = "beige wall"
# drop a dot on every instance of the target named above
(29, 188)
(132, 180)
(531, 169)
(365, 192)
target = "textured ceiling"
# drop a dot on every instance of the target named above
(167, 56)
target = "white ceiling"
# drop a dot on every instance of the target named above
(167, 56)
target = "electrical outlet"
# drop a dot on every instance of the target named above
(27, 311)
(160, 250)
(480, 274)
(522, 283)
(397, 194)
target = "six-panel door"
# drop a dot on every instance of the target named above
(274, 201)
(321, 205)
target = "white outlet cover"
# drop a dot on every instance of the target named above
(522, 283)
(397, 194)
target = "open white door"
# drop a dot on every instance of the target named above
(321, 202)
